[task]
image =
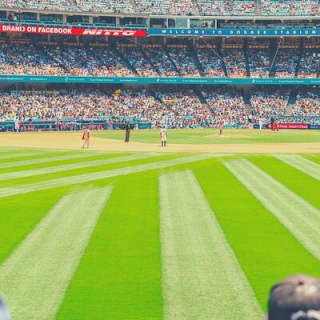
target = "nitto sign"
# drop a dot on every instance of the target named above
(114, 33)
(73, 31)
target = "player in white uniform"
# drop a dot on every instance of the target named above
(260, 124)
(163, 136)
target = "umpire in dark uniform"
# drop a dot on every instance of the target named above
(127, 137)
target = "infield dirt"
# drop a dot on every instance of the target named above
(72, 141)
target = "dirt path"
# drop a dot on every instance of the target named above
(72, 141)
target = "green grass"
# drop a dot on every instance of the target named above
(15, 157)
(120, 274)
(302, 184)
(211, 136)
(265, 249)
(70, 173)
(93, 156)
(19, 215)
(314, 157)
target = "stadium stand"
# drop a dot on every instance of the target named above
(176, 7)
(196, 58)
(131, 60)
(176, 108)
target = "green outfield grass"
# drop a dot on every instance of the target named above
(266, 250)
(221, 216)
(211, 136)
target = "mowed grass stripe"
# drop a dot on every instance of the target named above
(14, 156)
(45, 158)
(299, 216)
(266, 250)
(19, 215)
(304, 185)
(84, 178)
(36, 276)
(202, 278)
(93, 157)
(308, 167)
(89, 169)
(26, 157)
(73, 166)
(313, 157)
(119, 277)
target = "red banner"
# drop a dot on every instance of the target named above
(73, 31)
(292, 126)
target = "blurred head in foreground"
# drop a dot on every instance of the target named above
(295, 298)
(4, 312)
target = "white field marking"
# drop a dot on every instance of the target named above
(35, 277)
(201, 276)
(44, 160)
(306, 166)
(82, 178)
(77, 165)
(299, 216)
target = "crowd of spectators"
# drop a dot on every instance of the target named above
(227, 105)
(259, 63)
(159, 58)
(211, 63)
(138, 61)
(309, 64)
(290, 8)
(174, 108)
(235, 63)
(275, 103)
(286, 63)
(30, 59)
(183, 61)
(268, 103)
(175, 7)
(183, 109)
(307, 104)
(177, 109)
(226, 7)
(133, 60)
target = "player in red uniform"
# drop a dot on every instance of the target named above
(85, 138)
(221, 123)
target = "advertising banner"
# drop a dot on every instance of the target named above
(72, 31)
(164, 81)
(291, 126)
(314, 126)
(234, 32)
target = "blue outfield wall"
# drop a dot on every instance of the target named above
(164, 81)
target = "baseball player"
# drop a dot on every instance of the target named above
(163, 136)
(86, 138)
(260, 124)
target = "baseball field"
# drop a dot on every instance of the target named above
(198, 230)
